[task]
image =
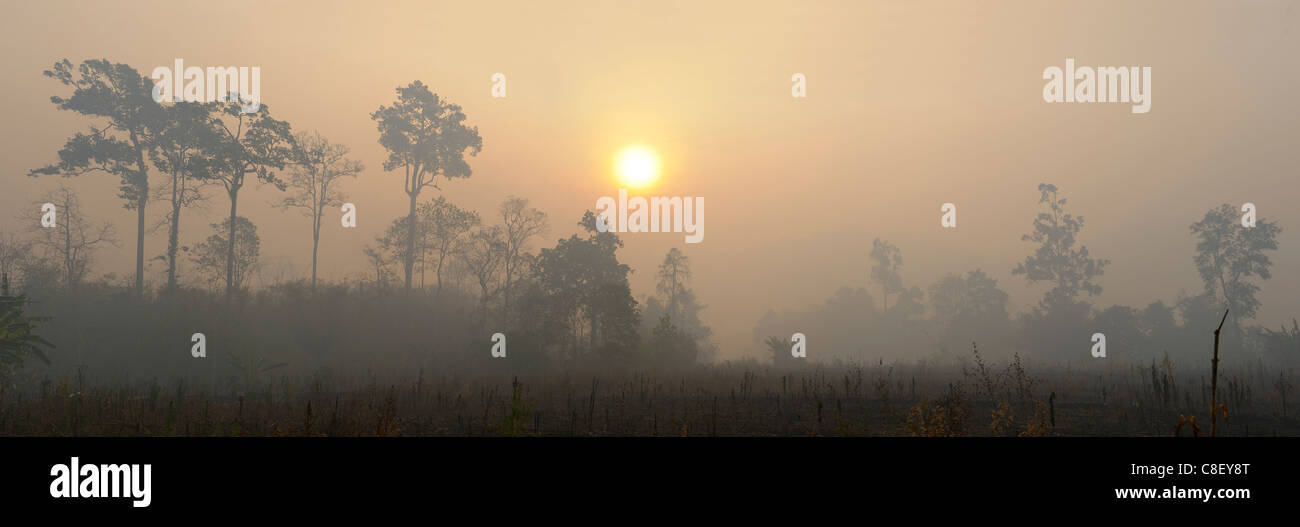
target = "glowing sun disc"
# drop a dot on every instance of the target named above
(637, 166)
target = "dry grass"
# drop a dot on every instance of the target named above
(852, 400)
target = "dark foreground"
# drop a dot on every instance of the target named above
(876, 400)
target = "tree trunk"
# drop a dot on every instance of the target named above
(140, 204)
(230, 245)
(505, 288)
(438, 274)
(315, 246)
(173, 235)
(139, 247)
(483, 303)
(410, 241)
(68, 258)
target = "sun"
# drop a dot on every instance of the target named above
(637, 166)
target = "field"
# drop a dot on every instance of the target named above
(975, 399)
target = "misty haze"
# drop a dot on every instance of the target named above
(459, 219)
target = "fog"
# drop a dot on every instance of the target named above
(909, 106)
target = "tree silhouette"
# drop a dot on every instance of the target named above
(380, 264)
(671, 345)
(212, 255)
(14, 253)
(482, 256)
(318, 165)
(18, 338)
(446, 226)
(1056, 260)
(73, 238)
(247, 143)
(520, 224)
(779, 347)
(392, 243)
(582, 301)
(426, 137)
(1060, 318)
(122, 100)
(674, 273)
(1229, 255)
(184, 131)
(679, 303)
(969, 302)
(886, 260)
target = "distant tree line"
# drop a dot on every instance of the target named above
(969, 309)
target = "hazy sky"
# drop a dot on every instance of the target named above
(910, 105)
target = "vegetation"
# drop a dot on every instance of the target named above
(18, 338)
(311, 357)
(726, 400)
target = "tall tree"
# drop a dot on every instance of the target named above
(1070, 270)
(122, 100)
(680, 305)
(1229, 256)
(247, 143)
(73, 238)
(426, 137)
(674, 273)
(318, 165)
(887, 261)
(178, 152)
(1053, 325)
